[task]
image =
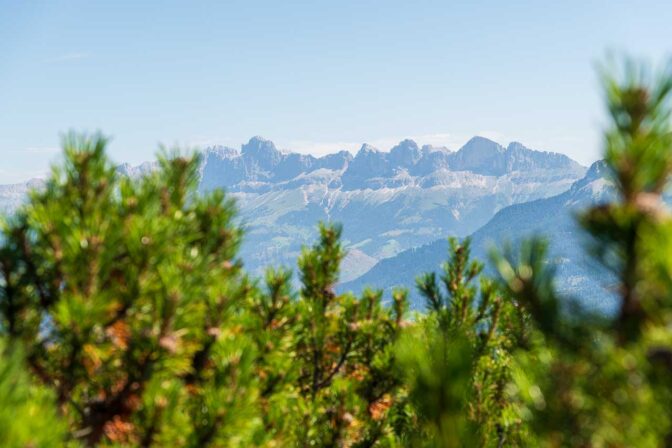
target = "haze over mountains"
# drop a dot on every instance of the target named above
(553, 218)
(388, 201)
(12, 195)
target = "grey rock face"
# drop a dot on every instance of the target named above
(405, 155)
(387, 201)
(137, 171)
(482, 156)
(13, 195)
(554, 218)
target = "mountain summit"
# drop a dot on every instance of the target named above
(553, 217)
(262, 152)
(388, 201)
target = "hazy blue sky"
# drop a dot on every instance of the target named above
(312, 76)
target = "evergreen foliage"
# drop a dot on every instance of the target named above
(126, 319)
(28, 413)
(589, 380)
(465, 356)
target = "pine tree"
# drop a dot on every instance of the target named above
(28, 416)
(133, 309)
(124, 294)
(344, 354)
(126, 319)
(590, 380)
(458, 358)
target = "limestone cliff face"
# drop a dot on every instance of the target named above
(387, 201)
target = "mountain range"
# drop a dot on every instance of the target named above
(553, 218)
(388, 201)
(13, 195)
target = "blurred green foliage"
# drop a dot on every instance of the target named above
(126, 319)
(28, 414)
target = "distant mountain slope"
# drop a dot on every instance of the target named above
(129, 170)
(387, 201)
(551, 217)
(13, 195)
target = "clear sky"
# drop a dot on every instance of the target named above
(312, 76)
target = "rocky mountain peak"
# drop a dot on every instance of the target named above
(263, 151)
(596, 174)
(221, 152)
(482, 156)
(597, 170)
(368, 163)
(337, 161)
(367, 149)
(387, 201)
(143, 169)
(432, 148)
(516, 147)
(405, 154)
(481, 147)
